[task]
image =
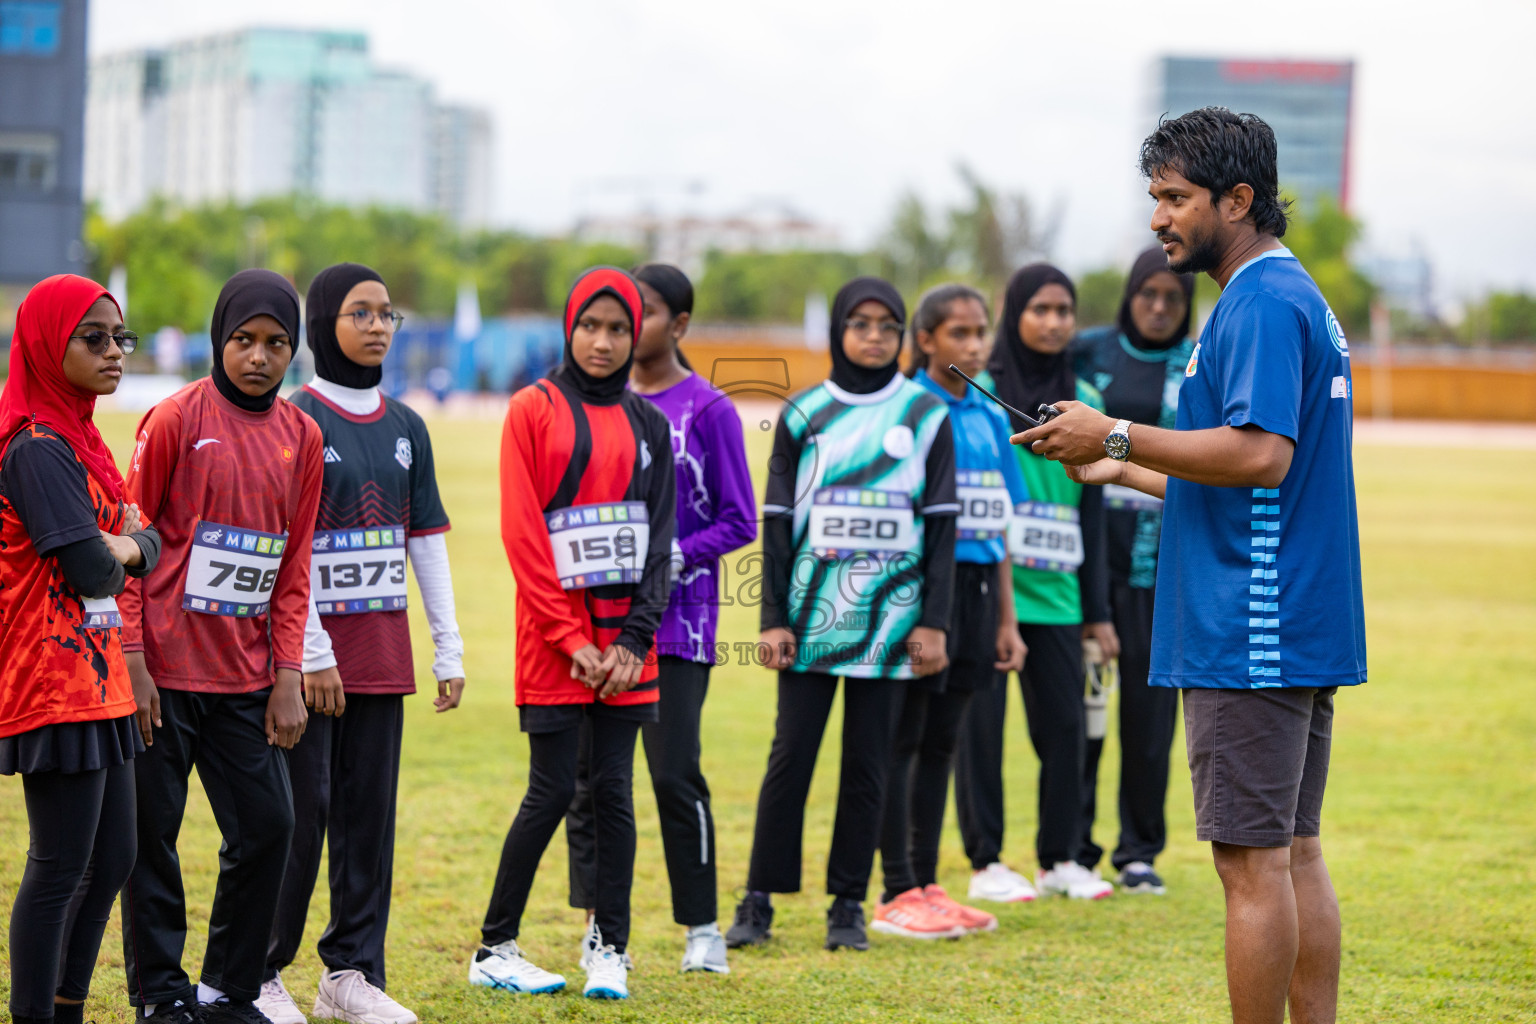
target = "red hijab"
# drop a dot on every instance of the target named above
(37, 390)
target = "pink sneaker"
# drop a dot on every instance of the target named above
(912, 916)
(974, 920)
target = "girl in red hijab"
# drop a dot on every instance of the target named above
(67, 544)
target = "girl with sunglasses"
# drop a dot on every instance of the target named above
(68, 543)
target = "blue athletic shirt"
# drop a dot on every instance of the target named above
(1260, 587)
(983, 459)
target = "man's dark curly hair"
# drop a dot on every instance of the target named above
(1217, 150)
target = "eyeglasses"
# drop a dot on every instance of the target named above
(890, 330)
(98, 341)
(363, 318)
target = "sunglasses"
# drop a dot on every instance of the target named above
(98, 341)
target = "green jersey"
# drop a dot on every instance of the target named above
(1047, 542)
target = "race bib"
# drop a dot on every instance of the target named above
(231, 571)
(101, 613)
(984, 504)
(598, 545)
(1129, 498)
(846, 521)
(353, 571)
(1046, 536)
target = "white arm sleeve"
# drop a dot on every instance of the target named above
(318, 655)
(429, 561)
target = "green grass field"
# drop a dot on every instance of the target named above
(1430, 821)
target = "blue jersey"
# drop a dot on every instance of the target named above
(1260, 587)
(986, 474)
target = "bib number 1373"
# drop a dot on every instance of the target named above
(231, 571)
(358, 570)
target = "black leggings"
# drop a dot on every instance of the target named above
(917, 790)
(870, 708)
(82, 849)
(682, 801)
(551, 788)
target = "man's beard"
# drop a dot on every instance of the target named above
(1203, 255)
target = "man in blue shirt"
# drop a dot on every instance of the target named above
(1259, 616)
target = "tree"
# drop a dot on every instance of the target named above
(1502, 316)
(1321, 238)
(1098, 297)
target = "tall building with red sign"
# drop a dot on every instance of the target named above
(1306, 102)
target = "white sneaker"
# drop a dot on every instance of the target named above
(506, 968)
(347, 995)
(1068, 878)
(591, 943)
(705, 950)
(1000, 884)
(607, 970)
(278, 1006)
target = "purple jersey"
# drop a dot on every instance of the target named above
(715, 510)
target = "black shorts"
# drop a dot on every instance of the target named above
(1258, 760)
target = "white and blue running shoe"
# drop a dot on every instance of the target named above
(503, 967)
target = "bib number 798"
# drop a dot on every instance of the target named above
(248, 578)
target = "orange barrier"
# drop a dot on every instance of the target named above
(1424, 391)
(1458, 386)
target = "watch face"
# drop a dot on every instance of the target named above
(1117, 446)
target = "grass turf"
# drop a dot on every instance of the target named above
(1429, 820)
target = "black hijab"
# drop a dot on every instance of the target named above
(1153, 261)
(250, 293)
(588, 288)
(846, 374)
(327, 292)
(1026, 378)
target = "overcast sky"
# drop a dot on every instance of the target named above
(835, 108)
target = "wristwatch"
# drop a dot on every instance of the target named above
(1118, 444)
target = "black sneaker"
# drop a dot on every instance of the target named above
(1139, 877)
(228, 1011)
(180, 1012)
(845, 925)
(754, 922)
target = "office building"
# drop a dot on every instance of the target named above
(263, 112)
(42, 112)
(1307, 103)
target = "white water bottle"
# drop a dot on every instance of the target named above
(1101, 676)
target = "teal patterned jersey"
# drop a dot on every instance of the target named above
(858, 476)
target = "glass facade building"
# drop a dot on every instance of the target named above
(1307, 103)
(42, 114)
(264, 112)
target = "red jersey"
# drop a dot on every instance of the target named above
(560, 458)
(234, 495)
(62, 662)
